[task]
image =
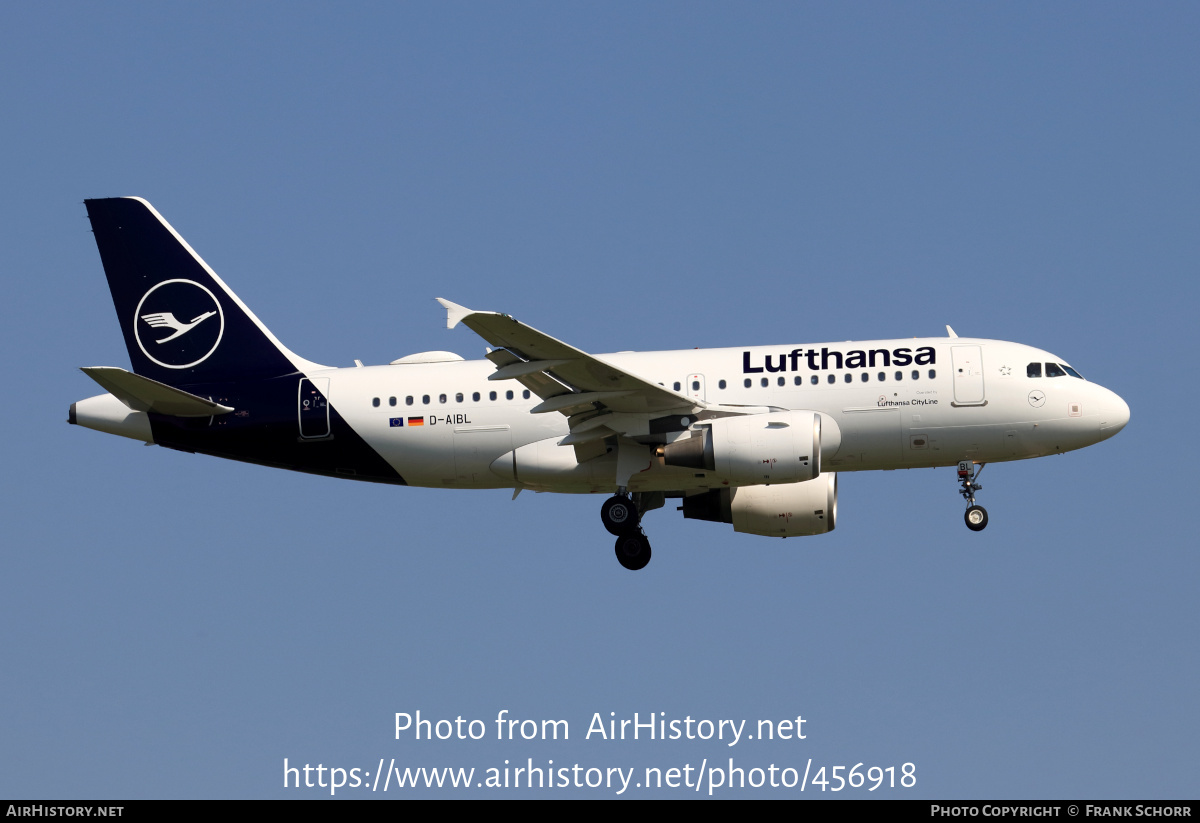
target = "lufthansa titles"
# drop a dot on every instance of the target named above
(823, 359)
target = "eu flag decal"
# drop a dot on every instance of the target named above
(395, 421)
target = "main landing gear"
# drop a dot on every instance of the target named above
(976, 516)
(622, 516)
(633, 551)
(619, 514)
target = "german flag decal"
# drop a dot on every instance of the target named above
(416, 421)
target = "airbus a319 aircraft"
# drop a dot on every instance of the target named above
(754, 436)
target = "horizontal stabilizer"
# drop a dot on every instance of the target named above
(146, 395)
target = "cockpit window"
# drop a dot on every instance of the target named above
(1033, 370)
(1071, 371)
(1054, 370)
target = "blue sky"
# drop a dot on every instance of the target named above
(622, 177)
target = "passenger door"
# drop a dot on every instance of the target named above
(968, 375)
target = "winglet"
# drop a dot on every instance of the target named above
(950, 331)
(454, 312)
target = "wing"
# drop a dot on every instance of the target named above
(599, 398)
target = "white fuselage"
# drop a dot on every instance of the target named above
(971, 399)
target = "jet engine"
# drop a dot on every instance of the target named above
(775, 447)
(787, 510)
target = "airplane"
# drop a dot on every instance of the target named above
(754, 437)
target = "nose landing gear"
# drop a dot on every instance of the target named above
(976, 516)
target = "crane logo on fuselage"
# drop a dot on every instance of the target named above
(189, 313)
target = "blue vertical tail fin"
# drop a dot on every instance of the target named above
(182, 324)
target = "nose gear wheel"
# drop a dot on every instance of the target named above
(976, 516)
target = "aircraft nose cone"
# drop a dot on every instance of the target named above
(1114, 415)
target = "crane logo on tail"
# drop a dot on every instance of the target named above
(168, 320)
(190, 341)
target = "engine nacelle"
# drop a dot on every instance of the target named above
(790, 510)
(775, 447)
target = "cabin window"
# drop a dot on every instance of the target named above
(814, 380)
(832, 378)
(721, 384)
(458, 398)
(1033, 370)
(882, 376)
(391, 401)
(408, 401)
(425, 399)
(916, 374)
(899, 375)
(441, 398)
(696, 385)
(475, 397)
(765, 382)
(525, 394)
(865, 377)
(932, 373)
(491, 395)
(375, 402)
(782, 381)
(508, 395)
(746, 383)
(676, 385)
